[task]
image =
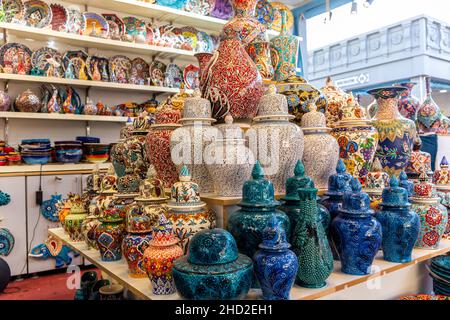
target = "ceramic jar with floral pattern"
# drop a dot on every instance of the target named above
(408, 104)
(357, 139)
(276, 142)
(187, 214)
(109, 235)
(321, 152)
(159, 258)
(74, 220)
(396, 133)
(376, 181)
(419, 161)
(189, 142)
(337, 99)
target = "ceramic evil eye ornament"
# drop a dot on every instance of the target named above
(6, 242)
(49, 209)
(4, 198)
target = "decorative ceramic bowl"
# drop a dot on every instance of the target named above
(96, 152)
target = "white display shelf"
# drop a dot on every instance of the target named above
(50, 168)
(58, 116)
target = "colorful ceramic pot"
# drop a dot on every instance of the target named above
(400, 225)
(276, 142)
(88, 229)
(122, 203)
(357, 139)
(27, 101)
(5, 101)
(74, 220)
(223, 85)
(396, 133)
(429, 115)
(441, 176)
(188, 143)
(321, 152)
(110, 234)
(275, 265)
(376, 181)
(231, 161)
(419, 161)
(337, 99)
(357, 234)
(315, 259)
(408, 104)
(159, 258)
(259, 52)
(213, 269)
(187, 214)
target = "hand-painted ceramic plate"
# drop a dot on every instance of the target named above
(49, 60)
(116, 26)
(37, 14)
(135, 28)
(140, 71)
(425, 297)
(119, 69)
(16, 58)
(98, 68)
(190, 37)
(204, 42)
(191, 76)
(265, 12)
(173, 76)
(157, 72)
(202, 7)
(276, 24)
(59, 17)
(77, 58)
(177, 4)
(14, 10)
(75, 22)
(96, 25)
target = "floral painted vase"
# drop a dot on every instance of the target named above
(396, 133)
(223, 83)
(122, 203)
(258, 207)
(357, 234)
(231, 160)
(158, 143)
(276, 142)
(433, 215)
(310, 243)
(419, 160)
(74, 220)
(400, 225)
(284, 49)
(137, 240)
(159, 258)
(110, 235)
(187, 214)
(213, 269)
(259, 52)
(275, 265)
(188, 143)
(321, 152)
(408, 104)
(88, 229)
(357, 139)
(376, 181)
(337, 99)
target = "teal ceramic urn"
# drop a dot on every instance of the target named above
(258, 207)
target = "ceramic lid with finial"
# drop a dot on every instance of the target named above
(424, 189)
(230, 130)
(273, 105)
(166, 115)
(111, 215)
(339, 182)
(141, 124)
(185, 193)
(108, 185)
(274, 237)
(418, 160)
(352, 113)
(139, 224)
(162, 235)
(356, 201)
(299, 180)
(336, 100)
(77, 206)
(151, 188)
(394, 195)
(314, 120)
(405, 183)
(197, 108)
(376, 179)
(258, 192)
(442, 176)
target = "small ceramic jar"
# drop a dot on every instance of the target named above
(376, 181)
(109, 235)
(337, 99)
(74, 220)
(27, 101)
(419, 160)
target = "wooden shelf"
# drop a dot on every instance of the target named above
(50, 169)
(59, 116)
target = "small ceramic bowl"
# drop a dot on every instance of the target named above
(36, 159)
(69, 155)
(96, 152)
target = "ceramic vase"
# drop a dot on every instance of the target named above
(357, 139)
(203, 59)
(74, 220)
(408, 104)
(188, 143)
(88, 229)
(321, 152)
(376, 181)
(406, 184)
(357, 234)
(230, 162)
(419, 161)
(5, 101)
(259, 52)
(337, 99)
(396, 133)
(90, 108)
(315, 259)
(276, 142)
(213, 269)
(110, 235)
(159, 258)
(223, 83)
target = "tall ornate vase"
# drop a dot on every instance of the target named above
(259, 51)
(357, 234)
(284, 50)
(408, 104)
(110, 235)
(276, 142)
(400, 225)
(224, 84)
(315, 259)
(429, 114)
(275, 265)
(396, 133)
(203, 59)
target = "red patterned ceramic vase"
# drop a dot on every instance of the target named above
(203, 59)
(408, 104)
(231, 80)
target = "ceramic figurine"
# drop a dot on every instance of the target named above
(235, 95)
(376, 181)
(230, 160)
(259, 51)
(188, 143)
(400, 225)
(187, 214)
(419, 160)
(52, 105)
(159, 258)
(69, 73)
(433, 215)
(321, 152)
(7, 241)
(213, 269)
(110, 235)
(337, 99)
(53, 248)
(357, 139)
(396, 133)
(258, 207)
(357, 234)
(406, 184)
(74, 220)
(276, 142)
(315, 259)
(408, 104)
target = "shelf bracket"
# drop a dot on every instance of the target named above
(88, 129)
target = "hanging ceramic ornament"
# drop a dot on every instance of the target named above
(4, 198)
(49, 209)
(6, 241)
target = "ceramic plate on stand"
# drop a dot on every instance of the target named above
(135, 29)
(15, 58)
(204, 42)
(75, 21)
(59, 17)
(276, 24)
(173, 76)
(119, 69)
(78, 60)
(37, 14)
(96, 25)
(264, 12)
(14, 10)
(190, 36)
(140, 71)
(157, 72)
(48, 60)
(98, 68)
(191, 76)
(116, 26)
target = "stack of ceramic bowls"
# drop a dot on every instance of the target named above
(440, 272)
(68, 151)
(96, 152)
(35, 151)
(84, 140)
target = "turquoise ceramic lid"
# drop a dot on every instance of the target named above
(274, 237)
(299, 180)
(338, 183)
(355, 201)
(394, 195)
